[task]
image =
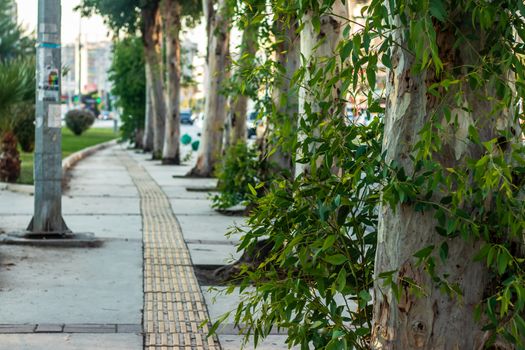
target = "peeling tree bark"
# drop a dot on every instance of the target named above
(172, 26)
(317, 46)
(215, 105)
(434, 321)
(285, 97)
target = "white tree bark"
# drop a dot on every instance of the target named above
(285, 97)
(434, 321)
(149, 113)
(248, 50)
(215, 105)
(314, 48)
(172, 26)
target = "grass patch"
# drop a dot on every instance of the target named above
(70, 145)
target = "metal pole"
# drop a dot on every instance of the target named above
(47, 219)
(80, 60)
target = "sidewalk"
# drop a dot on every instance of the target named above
(74, 298)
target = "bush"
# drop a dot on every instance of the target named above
(79, 121)
(236, 174)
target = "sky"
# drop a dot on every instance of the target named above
(93, 29)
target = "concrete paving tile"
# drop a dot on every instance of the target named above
(213, 254)
(101, 190)
(64, 341)
(17, 328)
(175, 192)
(129, 328)
(49, 285)
(108, 205)
(192, 207)
(49, 328)
(103, 226)
(219, 304)
(107, 226)
(209, 227)
(90, 328)
(15, 203)
(14, 223)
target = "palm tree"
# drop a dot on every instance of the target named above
(17, 87)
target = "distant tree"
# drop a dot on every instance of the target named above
(160, 24)
(218, 60)
(129, 16)
(127, 74)
(14, 42)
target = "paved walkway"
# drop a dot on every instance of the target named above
(138, 291)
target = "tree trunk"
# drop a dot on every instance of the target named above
(435, 320)
(172, 26)
(215, 105)
(151, 29)
(10, 163)
(240, 106)
(148, 123)
(285, 98)
(139, 138)
(317, 46)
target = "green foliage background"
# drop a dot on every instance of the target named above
(129, 86)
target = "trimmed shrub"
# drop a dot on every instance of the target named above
(79, 120)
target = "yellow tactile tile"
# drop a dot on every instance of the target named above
(174, 307)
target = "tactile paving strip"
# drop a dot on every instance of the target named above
(174, 308)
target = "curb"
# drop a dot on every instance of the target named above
(74, 158)
(67, 163)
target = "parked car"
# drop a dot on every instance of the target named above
(186, 117)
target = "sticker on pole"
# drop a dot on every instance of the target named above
(49, 85)
(54, 116)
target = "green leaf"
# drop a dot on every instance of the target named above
(329, 242)
(346, 50)
(443, 251)
(337, 259)
(316, 23)
(365, 296)
(473, 134)
(341, 280)
(252, 190)
(437, 10)
(503, 261)
(425, 252)
(385, 59)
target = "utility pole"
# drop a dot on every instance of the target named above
(47, 221)
(80, 60)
